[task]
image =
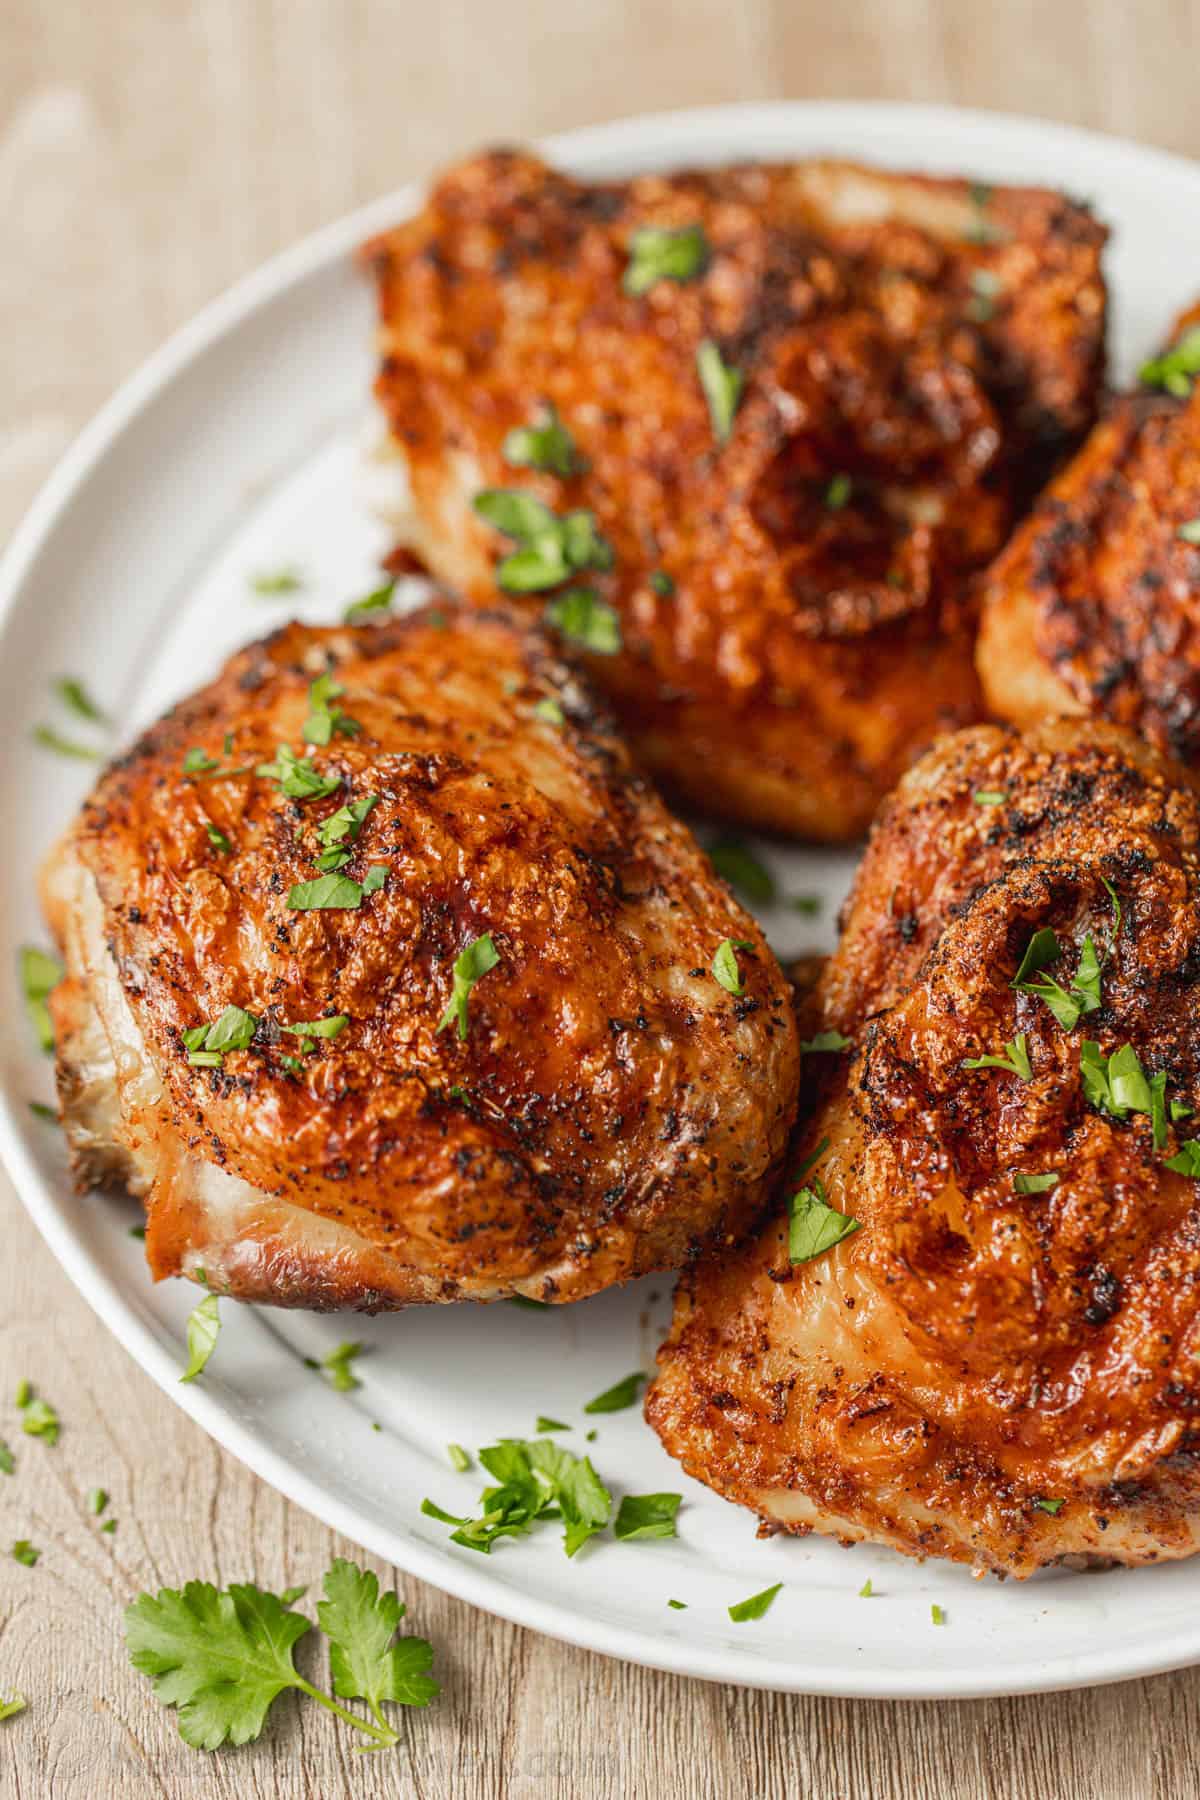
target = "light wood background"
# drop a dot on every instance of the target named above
(150, 152)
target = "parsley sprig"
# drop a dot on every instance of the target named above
(545, 445)
(536, 1479)
(223, 1657)
(657, 253)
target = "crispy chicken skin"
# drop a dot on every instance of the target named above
(1002, 1377)
(611, 1107)
(1094, 605)
(916, 356)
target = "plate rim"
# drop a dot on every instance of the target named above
(645, 133)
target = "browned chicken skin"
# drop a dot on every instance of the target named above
(1094, 605)
(611, 1106)
(1001, 1365)
(915, 356)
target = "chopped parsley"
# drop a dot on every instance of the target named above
(725, 965)
(536, 1479)
(223, 1658)
(1189, 532)
(1115, 1084)
(755, 1606)
(549, 712)
(678, 1605)
(822, 1042)
(1084, 995)
(937, 1614)
(813, 1225)
(722, 386)
(272, 582)
(1036, 1184)
(545, 445)
(661, 583)
(379, 600)
(337, 1365)
(586, 620)
(38, 1418)
(838, 493)
(470, 966)
(10, 1708)
(617, 1398)
(40, 975)
(217, 838)
(1186, 1160)
(49, 739)
(458, 1458)
(24, 1552)
(8, 1461)
(986, 288)
(1174, 369)
(203, 1326)
(76, 699)
(40, 1110)
(866, 1591)
(545, 1424)
(96, 1501)
(646, 1516)
(342, 828)
(1053, 1507)
(327, 893)
(739, 866)
(308, 1029)
(324, 716)
(549, 549)
(296, 776)
(989, 796)
(207, 1044)
(657, 253)
(1015, 1059)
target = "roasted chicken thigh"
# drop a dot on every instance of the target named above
(389, 980)
(998, 1359)
(1094, 606)
(747, 430)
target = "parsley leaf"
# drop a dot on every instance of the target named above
(1084, 995)
(537, 1479)
(548, 548)
(308, 1029)
(661, 583)
(9, 1708)
(989, 797)
(97, 1500)
(458, 1457)
(937, 1614)
(203, 1325)
(1186, 1160)
(822, 1042)
(678, 1605)
(217, 838)
(271, 582)
(838, 493)
(1036, 1184)
(324, 717)
(813, 1225)
(470, 966)
(738, 865)
(76, 698)
(755, 1606)
(549, 711)
(586, 620)
(325, 893)
(1053, 1507)
(1015, 1059)
(8, 1462)
(296, 776)
(365, 1660)
(337, 1367)
(379, 600)
(725, 965)
(24, 1552)
(647, 1516)
(722, 386)
(1118, 1084)
(206, 1044)
(544, 445)
(1189, 531)
(866, 1591)
(1173, 370)
(49, 739)
(40, 975)
(38, 1417)
(617, 1398)
(657, 253)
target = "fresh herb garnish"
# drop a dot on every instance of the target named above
(470, 966)
(308, 1029)
(1189, 532)
(545, 1424)
(866, 1591)
(97, 1500)
(8, 1461)
(341, 828)
(986, 288)
(1015, 1059)
(549, 712)
(76, 698)
(207, 1044)
(647, 1516)
(40, 1110)
(10, 1708)
(825, 1042)
(937, 1614)
(217, 838)
(1174, 369)
(324, 716)
(24, 1552)
(1036, 1184)
(813, 1225)
(379, 600)
(1116, 1084)
(223, 1658)
(458, 1458)
(811, 1160)
(678, 1605)
(617, 1398)
(586, 620)
(1186, 1160)
(203, 1326)
(1084, 995)
(326, 893)
(725, 965)
(722, 386)
(545, 445)
(838, 493)
(738, 865)
(40, 975)
(337, 1365)
(1053, 1507)
(297, 777)
(549, 549)
(657, 253)
(537, 1479)
(989, 796)
(755, 1606)
(661, 583)
(38, 1418)
(270, 582)
(49, 739)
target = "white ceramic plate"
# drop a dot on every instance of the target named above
(235, 450)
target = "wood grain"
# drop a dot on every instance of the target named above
(151, 151)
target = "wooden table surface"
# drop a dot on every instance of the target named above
(150, 152)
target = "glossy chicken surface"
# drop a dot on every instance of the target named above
(894, 364)
(1094, 606)
(599, 1105)
(1001, 1365)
